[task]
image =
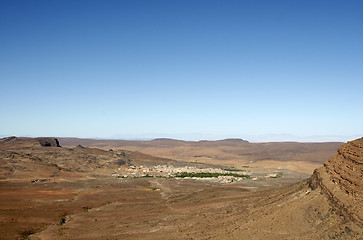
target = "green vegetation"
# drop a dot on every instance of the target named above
(147, 175)
(161, 176)
(278, 175)
(154, 188)
(232, 170)
(209, 175)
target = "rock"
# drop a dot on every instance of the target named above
(9, 139)
(48, 142)
(340, 179)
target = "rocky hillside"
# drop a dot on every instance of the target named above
(340, 179)
(328, 205)
(15, 142)
(44, 158)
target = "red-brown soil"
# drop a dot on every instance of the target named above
(81, 203)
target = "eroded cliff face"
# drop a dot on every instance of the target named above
(340, 179)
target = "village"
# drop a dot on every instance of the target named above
(217, 175)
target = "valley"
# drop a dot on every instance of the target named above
(49, 191)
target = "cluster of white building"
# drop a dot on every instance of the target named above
(171, 171)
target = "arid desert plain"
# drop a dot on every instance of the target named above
(70, 188)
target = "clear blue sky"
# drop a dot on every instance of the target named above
(182, 69)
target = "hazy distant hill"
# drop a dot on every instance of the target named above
(304, 157)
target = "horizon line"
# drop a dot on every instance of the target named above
(317, 139)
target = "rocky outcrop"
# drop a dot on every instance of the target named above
(24, 142)
(49, 142)
(340, 179)
(8, 139)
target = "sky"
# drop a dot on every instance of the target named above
(187, 69)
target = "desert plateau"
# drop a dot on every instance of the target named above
(97, 189)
